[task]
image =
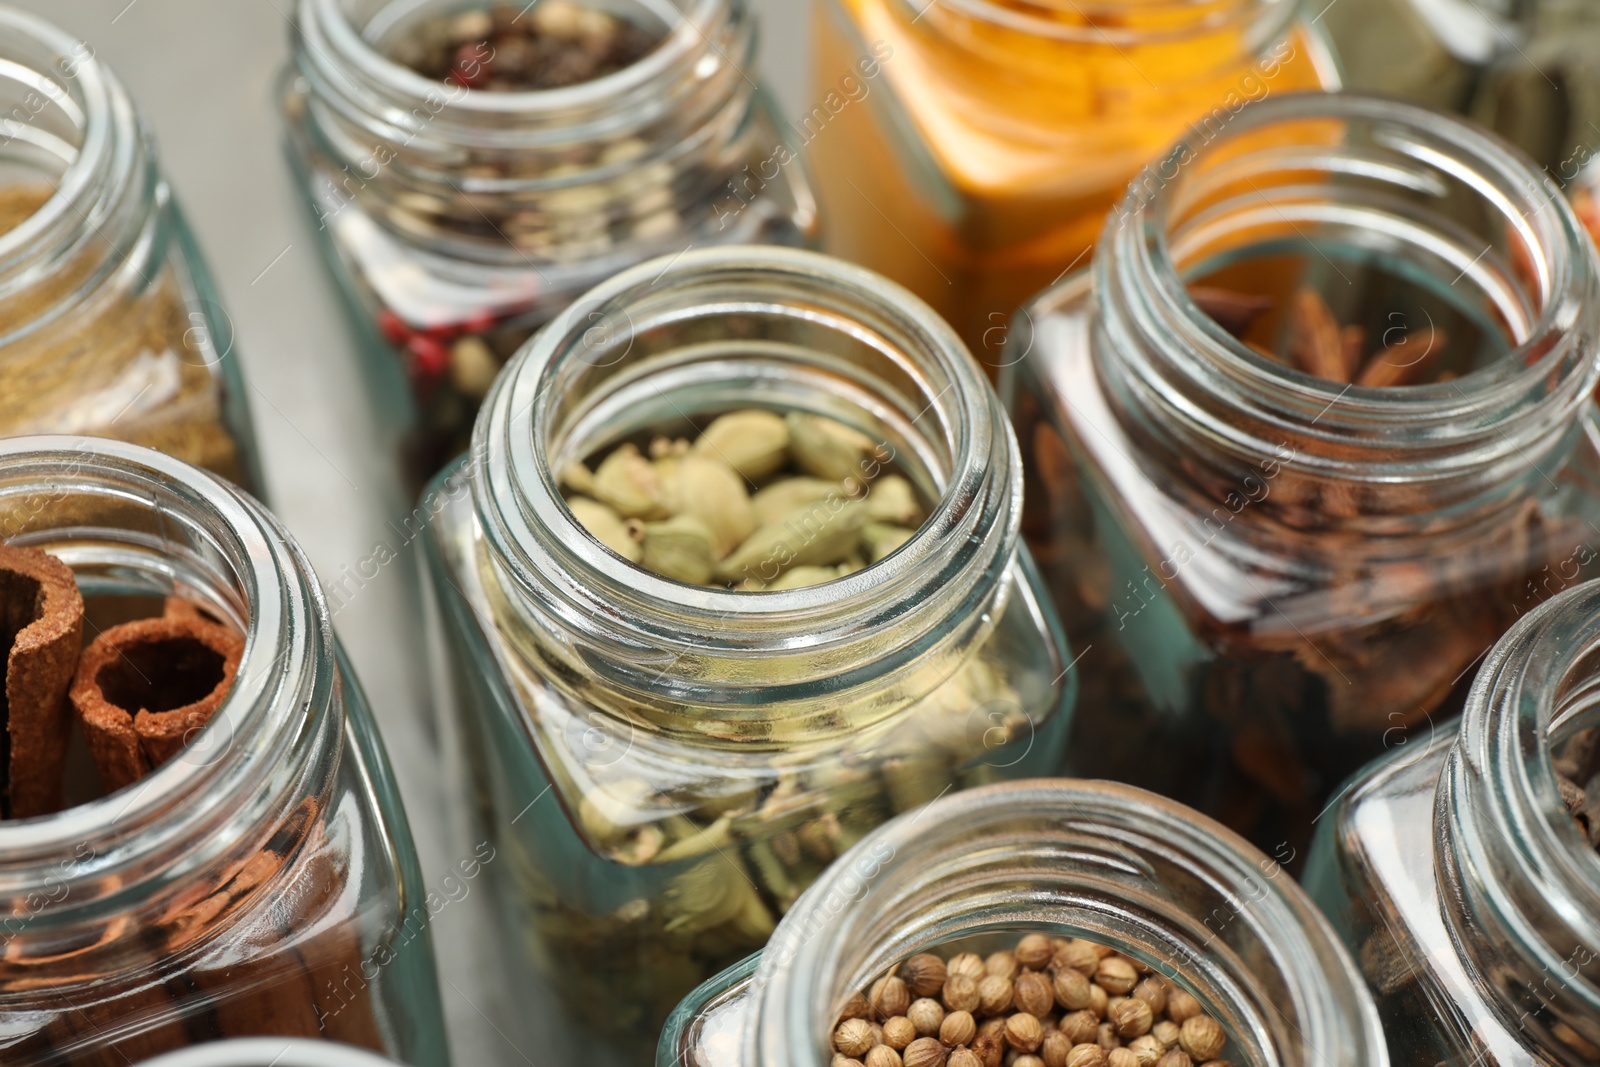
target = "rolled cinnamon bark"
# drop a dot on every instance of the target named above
(41, 633)
(143, 689)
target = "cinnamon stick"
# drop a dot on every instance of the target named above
(144, 687)
(41, 633)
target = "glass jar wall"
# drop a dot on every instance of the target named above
(109, 325)
(669, 765)
(981, 164)
(1180, 896)
(458, 220)
(261, 881)
(1462, 869)
(1275, 574)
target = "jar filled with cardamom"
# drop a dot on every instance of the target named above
(109, 323)
(1312, 434)
(474, 167)
(732, 577)
(1055, 922)
(200, 836)
(1462, 869)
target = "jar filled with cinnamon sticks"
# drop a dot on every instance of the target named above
(109, 324)
(199, 836)
(1313, 432)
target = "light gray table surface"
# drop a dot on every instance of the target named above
(203, 75)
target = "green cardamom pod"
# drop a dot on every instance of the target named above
(892, 500)
(787, 495)
(578, 478)
(821, 535)
(711, 491)
(606, 526)
(629, 483)
(824, 448)
(800, 577)
(679, 548)
(879, 539)
(753, 442)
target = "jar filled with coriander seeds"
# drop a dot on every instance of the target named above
(732, 577)
(1312, 433)
(109, 323)
(1058, 922)
(474, 166)
(1462, 870)
(200, 835)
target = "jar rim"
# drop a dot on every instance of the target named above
(253, 746)
(531, 530)
(1530, 389)
(804, 958)
(683, 41)
(106, 128)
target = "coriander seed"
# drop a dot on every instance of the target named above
(1148, 1048)
(1071, 989)
(1175, 1058)
(889, 997)
(1035, 951)
(857, 1007)
(1106, 1037)
(1181, 1006)
(1081, 1027)
(966, 964)
(995, 995)
(1002, 964)
(958, 1028)
(1116, 975)
(923, 974)
(1024, 1032)
(961, 991)
(1121, 1057)
(989, 1048)
(1166, 1032)
(966, 1057)
(853, 1038)
(1202, 1037)
(1132, 1018)
(1032, 994)
(898, 1032)
(1027, 1061)
(1079, 955)
(924, 1052)
(1153, 991)
(926, 1015)
(1054, 1048)
(1086, 1056)
(883, 1056)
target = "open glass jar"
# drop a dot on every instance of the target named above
(1003, 131)
(261, 881)
(459, 220)
(1183, 898)
(1282, 574)
(1462, 869)
(109, 325)
(707, 752)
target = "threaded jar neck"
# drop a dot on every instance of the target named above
(1519, 883)
(1339, 178)
(717, 330)
(132, 522)
(68, 130)
(438, 156)
(1106, 862)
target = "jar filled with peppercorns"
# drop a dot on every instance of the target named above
(474, 166)
(1314, 431)
(109, 324)
(733, 576)
(1046, 923)
(200, 837)
(1462, 870)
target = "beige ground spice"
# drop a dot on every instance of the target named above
(121, 360)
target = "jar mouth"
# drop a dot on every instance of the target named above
(1098, 860)
(1528, 878)
(1342, 178)
(687, 23)
(714, 330)
(79, 133)
(1106, 22)
(130, 521)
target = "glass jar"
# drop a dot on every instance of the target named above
(260, 882)
(109, 324)
(982, 165)
(1275, 576)
(1456, 871)
(708, 752)
(457, 221)
(1166, 887)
